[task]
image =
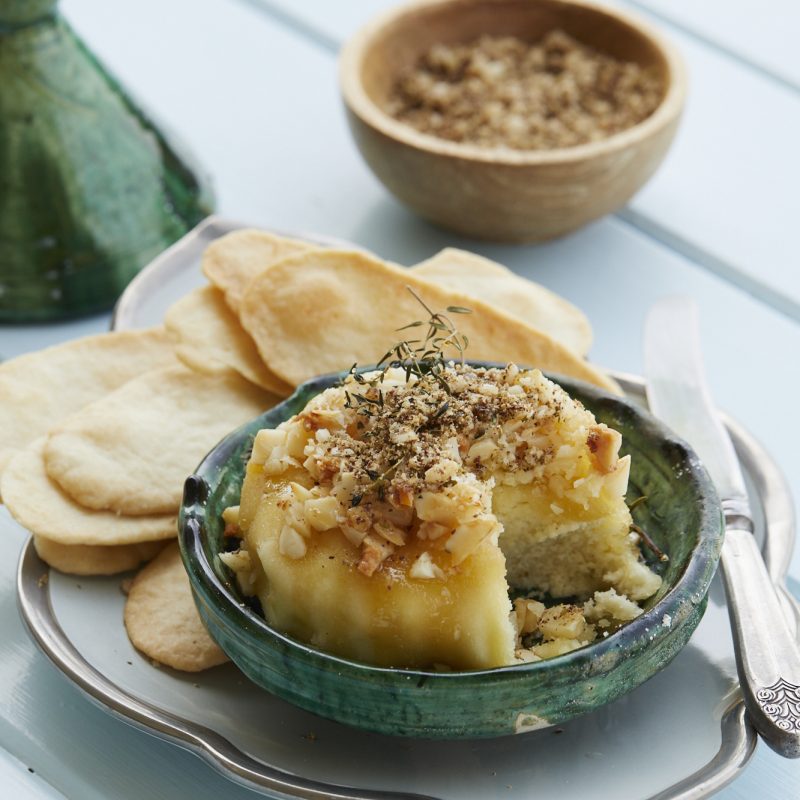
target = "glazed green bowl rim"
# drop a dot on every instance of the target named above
(694, 580)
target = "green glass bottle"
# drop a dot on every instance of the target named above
(90, 190)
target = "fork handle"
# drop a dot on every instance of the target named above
(767, 654)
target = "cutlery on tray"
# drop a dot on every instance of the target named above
(767, 654)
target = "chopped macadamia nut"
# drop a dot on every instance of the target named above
(609, 605)
(467, 536)
(373, 553)
(557, 647)
(265, 442)
(291, 543)
(443, 471)
(528, 613)
(230, 515)
(242, 566)
(482, 450)
(353, 535)
(432, 530)
(562, 622)
(392, 533)
(239, 560)
(321, 512)
(424, 568)
(526, 656)
(296, 439)
(604, 444)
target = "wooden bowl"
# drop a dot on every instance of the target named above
(498, 193)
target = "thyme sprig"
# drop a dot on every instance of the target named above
(428, 357)
(637, 502)
(378, 484)
(660, 554)
(643, 534)
(420, 357)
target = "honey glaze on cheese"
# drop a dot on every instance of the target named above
(387, 520)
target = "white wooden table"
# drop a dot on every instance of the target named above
(251, 86)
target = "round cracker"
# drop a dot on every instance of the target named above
(42, 388)
(131, 451)
(497, 285)
(322, 311)
(208, 336)
(84, 559)
(39, 505)
(233, 260)
(162, 620)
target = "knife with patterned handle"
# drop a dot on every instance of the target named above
(767, 654)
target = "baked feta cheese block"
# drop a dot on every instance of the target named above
(390, 520)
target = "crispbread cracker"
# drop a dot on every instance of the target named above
(208, 335)
(40, 389)
(476, 276)
(84, 559)
(161, 618)
(39, 505)
(130, 451)
(233, 260)
(323, 311)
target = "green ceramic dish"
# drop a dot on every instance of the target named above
(682, 515)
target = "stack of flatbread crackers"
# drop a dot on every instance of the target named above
(100, 433)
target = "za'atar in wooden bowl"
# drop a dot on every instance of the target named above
(499, 193)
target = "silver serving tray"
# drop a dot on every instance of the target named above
(156, 287)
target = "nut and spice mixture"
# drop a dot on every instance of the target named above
(394, 456)
(500, 91)
(419, 434)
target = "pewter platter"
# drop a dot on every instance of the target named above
(682, 735)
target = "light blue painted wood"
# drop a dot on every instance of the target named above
(260, 107)
(726, 193)
(762, 34)
(22, 783)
